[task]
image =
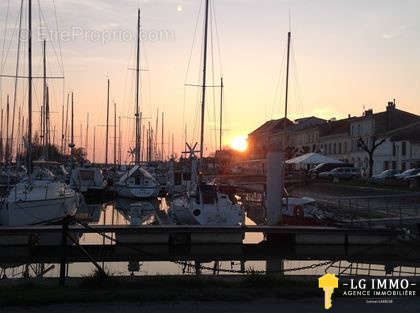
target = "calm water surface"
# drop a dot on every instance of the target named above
(126, 212)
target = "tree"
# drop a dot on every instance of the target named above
(370, 148)
(79, 155)
(38, 153)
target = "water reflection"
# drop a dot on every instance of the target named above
(134, 212)
(131, 212)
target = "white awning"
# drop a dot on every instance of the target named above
(312, 159)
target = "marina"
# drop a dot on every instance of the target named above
(126, 175)
(125, 232)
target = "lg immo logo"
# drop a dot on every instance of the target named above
(379, 287)
(328, 283)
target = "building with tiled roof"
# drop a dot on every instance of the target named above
(338, 139)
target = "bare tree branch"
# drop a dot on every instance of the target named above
(370, 151)
(379, 143)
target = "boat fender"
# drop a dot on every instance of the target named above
(298, 211)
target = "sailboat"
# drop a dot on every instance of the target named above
(137, 182)
(203, 203)
(295, 210)
(39, 198)
(88, 180)
(85, 177)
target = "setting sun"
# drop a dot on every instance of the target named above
(239, 143)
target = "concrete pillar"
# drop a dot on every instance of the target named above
(275, 187)
(274, 196)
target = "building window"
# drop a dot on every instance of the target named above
(394, 149)
(345, 147)
(339, 147)
(386, 165)
(329, 148)
(335, 148)
(394, 165)
(404, 149)
(403, 166)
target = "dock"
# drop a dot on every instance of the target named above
(44, 244)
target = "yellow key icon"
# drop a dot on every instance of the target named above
(328, 283)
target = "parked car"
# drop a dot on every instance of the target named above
(342, 173)
(326, 167)
(415, 176)
(407, 174)
(384, 176)
(413, 181)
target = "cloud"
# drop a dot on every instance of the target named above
(395, 33)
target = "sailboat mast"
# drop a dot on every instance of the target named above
(29, 152)
(185, 137)
(1, 138)
(107, 125)
(94, 144)
(221, 113)
(286, 99)
(203, 95)
(18, 135)
(156, 155)
(173, 147)
(119, 140)
(285, 127)
(62, 130)
(163, 139)
(44, 99)
(7, 131)
(81, 136)
(138, 126)
(87, 136)
(16, 78)
(115, 134)
(147, 143)
(143, 156)
(25, 133)
(47, 121)
(150, 142)
(53, 142)
(71, 145)
(67, 124)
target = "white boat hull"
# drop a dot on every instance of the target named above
(38, 203)
(225, 213)
(38, 212)
(88, 180)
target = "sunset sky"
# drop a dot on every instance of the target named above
(346, 56)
